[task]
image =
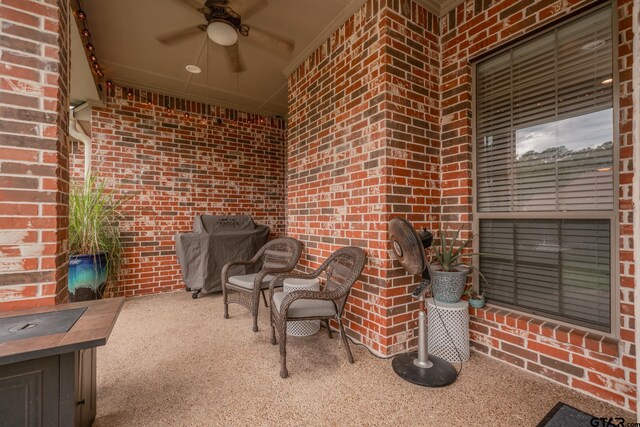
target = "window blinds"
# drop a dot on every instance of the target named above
(556, 268)
(544, 166)
(544, 126)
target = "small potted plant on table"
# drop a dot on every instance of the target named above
(476, 300)
(449, 271)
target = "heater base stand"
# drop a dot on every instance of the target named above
(441, 374)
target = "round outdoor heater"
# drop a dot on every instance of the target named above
(418, 367)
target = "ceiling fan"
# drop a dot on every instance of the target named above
(224, 25)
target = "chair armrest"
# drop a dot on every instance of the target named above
(277, 270)
(225, 269)
(303, 294)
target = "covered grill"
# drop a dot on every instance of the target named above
(215, 241)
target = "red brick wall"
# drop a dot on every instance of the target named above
(362, 148)
(181, 166)
(356, 159)
(603, 367)
(636, 161)
(34, 81)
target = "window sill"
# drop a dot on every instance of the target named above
(562, 333)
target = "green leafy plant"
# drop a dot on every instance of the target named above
(94, 224)
(449, 257)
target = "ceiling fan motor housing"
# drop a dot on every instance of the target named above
(218, 12)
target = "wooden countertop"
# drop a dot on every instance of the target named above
(91, 330)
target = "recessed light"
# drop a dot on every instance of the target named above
(193, 69)
(594, 45)
(607, 81)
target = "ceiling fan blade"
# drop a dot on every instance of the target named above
(181, 35)
(248, 8)
(191, 4)
(233, 58)
(270, 40)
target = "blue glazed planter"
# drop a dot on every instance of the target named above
(87, 277)
(476, 303)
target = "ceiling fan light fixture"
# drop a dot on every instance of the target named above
(222, 33)
(193, 69)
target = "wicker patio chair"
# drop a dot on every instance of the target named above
(277, 256)
(341, 269)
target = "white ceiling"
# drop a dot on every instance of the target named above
(124, 34)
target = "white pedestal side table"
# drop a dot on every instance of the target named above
(302, 328)
(455, 316)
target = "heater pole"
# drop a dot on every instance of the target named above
(423, 347)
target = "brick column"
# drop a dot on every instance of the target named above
(363, 148)
(34, 112)
(636, 177)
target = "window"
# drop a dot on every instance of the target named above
(545, 193)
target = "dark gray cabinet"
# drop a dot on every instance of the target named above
(51, 391)
(24, 388)
(48, 363)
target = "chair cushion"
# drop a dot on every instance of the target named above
(246, 280)
(306, 307)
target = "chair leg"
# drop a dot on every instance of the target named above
(345, 340)
(326, 324)
(255, 322)
(255, 305)
(273, 328)
(264, 298)
(283, 351)
(226, 304)
(273, 335)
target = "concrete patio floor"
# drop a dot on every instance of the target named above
(175, 361)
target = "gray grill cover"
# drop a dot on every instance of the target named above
(215, 241)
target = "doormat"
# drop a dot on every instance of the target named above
(563, 415)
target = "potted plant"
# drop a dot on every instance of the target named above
(449, 271)
(95, 248)
(476, 300)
